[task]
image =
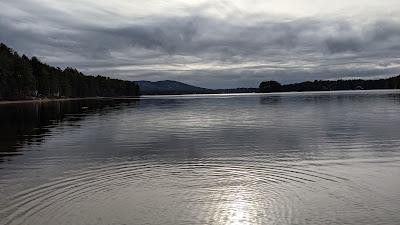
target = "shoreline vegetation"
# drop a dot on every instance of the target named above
(328, 85)
(23, 78)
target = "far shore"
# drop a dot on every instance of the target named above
(44, 100)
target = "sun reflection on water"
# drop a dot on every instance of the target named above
(239, 209)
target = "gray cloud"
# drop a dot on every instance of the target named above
(205, 50)
(340, 44)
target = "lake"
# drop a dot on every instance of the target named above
(287, 158)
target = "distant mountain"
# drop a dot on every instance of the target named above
(170, 87)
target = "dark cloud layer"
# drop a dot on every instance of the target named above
(206, 51)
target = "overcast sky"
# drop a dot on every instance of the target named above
(214, 44)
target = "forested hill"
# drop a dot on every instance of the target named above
(24, 78)
(327, 85)
(170, 87)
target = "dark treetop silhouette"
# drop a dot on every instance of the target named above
(326, 85)
(24, 78)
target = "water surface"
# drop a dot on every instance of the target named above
(289, 158)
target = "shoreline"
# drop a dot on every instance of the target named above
(45, 100)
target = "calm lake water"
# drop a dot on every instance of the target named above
(290, 158)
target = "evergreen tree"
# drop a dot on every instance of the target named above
(24, 78)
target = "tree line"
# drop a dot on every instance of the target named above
(27, 78)
(327, 85)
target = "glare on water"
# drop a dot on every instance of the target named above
(290, 158)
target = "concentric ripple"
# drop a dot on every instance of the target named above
(291, 158)
(58, 198)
